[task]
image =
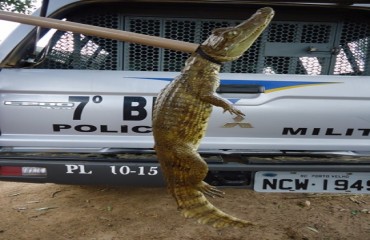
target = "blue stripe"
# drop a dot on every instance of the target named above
(233, 100)
(266, 83)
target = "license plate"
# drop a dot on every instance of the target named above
(312, 182)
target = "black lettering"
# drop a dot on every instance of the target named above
(316, 131)
(85, 128)
(154, 100)
(325, 184)
(349, 132)
(266, 183)
(104, 129)
(341, 185)
(330, 132)
(365, 131)
(137, 129)
(357, 185)
(124, 129)
(291, 131)
(301, 185)
(58, 127)
(82, 103)
(97, 99)
(133, 108)
(281, 184)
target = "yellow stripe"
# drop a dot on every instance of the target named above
(296, 86)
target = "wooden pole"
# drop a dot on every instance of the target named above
(100, 32)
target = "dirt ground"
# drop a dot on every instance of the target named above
(49, 211)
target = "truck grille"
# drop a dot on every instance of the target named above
(286, 47)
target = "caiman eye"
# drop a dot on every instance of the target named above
(232, 33)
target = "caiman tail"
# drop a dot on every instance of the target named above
(184, 171)
(193, 204)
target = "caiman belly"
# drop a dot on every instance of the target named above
(183, 117)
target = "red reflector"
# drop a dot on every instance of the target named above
(10, 171)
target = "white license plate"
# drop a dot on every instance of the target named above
(318, 182)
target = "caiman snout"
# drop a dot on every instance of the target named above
(262, 16)
(227, 44)
(266, 10)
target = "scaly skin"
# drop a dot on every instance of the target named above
(181, 114)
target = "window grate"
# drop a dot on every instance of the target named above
(284, 48)
(354, 55)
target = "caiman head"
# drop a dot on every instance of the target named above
(227, 44)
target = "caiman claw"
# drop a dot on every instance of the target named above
(232, 110)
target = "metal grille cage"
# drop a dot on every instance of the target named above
(75, 51)
(284, 48)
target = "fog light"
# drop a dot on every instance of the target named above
(14, 171)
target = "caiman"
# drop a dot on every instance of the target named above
(181, 115)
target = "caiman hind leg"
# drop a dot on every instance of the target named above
(189, 169)
(164, 156)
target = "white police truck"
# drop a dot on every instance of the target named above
(76, 109)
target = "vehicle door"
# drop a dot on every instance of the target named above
(295, 86)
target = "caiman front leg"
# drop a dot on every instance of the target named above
(220, 102)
